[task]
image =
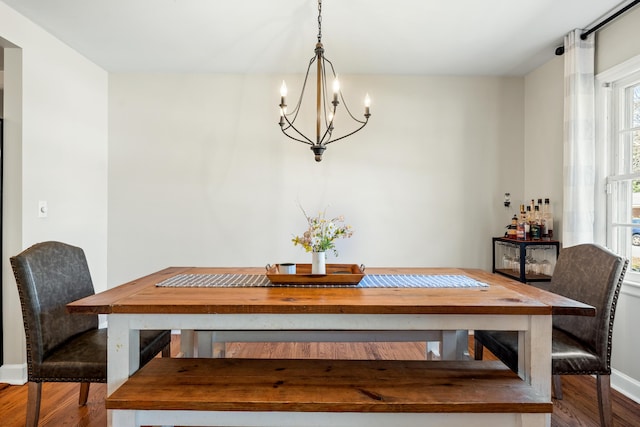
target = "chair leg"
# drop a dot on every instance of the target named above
(478, 350)
(603, 383)
(34, 392)
(557, 387)
(84, 393)
(166, 351)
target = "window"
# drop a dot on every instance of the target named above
(622, 136)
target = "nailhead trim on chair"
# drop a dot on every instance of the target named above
(614, 303)
(30, 374)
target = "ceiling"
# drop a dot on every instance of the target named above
(462, 37)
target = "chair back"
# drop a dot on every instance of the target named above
(50, 275)
(593, 275)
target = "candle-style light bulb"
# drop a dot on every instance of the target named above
(283, 104)
(336, 89)
(367, 104)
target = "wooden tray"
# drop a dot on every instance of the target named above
(337, 274)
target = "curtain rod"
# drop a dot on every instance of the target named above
(584, 35)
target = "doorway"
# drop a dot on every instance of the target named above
(1, 198)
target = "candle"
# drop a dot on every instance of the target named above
(367, 104)
(283, 93)
(336, 89)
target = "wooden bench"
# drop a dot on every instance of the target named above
(168, 390)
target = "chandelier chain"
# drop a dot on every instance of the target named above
(319, 21)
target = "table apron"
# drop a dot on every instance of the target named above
(324, 322)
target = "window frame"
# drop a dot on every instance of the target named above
(610, 122)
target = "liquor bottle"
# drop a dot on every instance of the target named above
(547, 215)
(512, 229)
(527, 224)
(535, 224)
(520, 234)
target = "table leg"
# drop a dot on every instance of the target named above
(534, 356)
(219, 345)
(538, 349)
(204, 343)
(449, 345)
(123, 357)
(462, 344)
(434, 350)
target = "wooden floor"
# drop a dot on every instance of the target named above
(60, 401)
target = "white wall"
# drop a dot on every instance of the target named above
(618, 41)
(543, 149)
(56, 147)
(200, 174)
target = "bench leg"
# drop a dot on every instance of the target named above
(478, 350)
(166, 351)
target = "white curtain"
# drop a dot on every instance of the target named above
(579, 144)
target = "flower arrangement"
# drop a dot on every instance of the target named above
(322, 233)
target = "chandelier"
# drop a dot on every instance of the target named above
(325, 110)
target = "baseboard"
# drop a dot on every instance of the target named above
(13, 374)
(626, 385)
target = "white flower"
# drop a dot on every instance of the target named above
(322, 233)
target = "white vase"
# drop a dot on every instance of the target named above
(318, 263)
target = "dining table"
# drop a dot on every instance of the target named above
(458, 299)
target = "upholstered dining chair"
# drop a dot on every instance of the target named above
(62, 347)
(581, 345)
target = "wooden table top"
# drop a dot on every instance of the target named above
(502, 296)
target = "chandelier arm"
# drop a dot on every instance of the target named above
(326, 132)
(290, 125)
(324, 98)
(349, 134)
(328, 123)
(319, 94)
(349, 111)
(297, 139)
(346, 107)
(296, 110)
(328, 126)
